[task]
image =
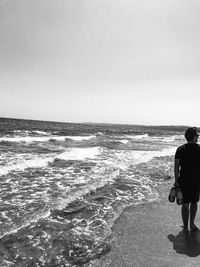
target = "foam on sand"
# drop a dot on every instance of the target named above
(151, 235)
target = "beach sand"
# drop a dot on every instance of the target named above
(151, 235)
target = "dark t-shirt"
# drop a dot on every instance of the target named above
(189, 155)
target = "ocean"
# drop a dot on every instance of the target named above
(63, 185)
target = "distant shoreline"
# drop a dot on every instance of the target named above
(173, 127)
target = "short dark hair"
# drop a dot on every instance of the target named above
(190, 133)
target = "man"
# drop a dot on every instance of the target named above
(187, 176)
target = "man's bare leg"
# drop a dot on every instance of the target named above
(185, 215)
(193, 211)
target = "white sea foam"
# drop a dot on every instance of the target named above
(140, 136)
(22, 164)
(36, 217)
(80, 153)
(145, 156)
(30, 132)
(105, 176)
(123, 159)
(124, 141)
(80, 138)
(42, 132)
(172, 138)
(22, 131)
(30, 139)
(166, 139)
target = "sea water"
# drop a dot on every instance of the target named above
(64, 185)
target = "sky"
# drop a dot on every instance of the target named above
(109, 61)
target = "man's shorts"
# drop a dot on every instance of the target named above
(190, 193)
(190, 196)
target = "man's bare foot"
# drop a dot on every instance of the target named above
(193, 227)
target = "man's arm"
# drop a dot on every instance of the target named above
(176, 170)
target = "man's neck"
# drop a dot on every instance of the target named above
(192, 142)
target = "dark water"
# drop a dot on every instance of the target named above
(64, 185)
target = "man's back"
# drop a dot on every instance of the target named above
(189, 155)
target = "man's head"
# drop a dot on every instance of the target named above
(191, 134)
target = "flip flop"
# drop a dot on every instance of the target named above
(172, 194)
(179, 196)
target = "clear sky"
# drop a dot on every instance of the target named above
(119, 61)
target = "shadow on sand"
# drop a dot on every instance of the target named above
(186, 242)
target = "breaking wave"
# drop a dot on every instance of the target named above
(30, 139)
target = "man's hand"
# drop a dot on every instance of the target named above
(176, 184)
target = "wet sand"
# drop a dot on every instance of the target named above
(151, 235)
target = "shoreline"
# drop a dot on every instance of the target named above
(151, 235)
